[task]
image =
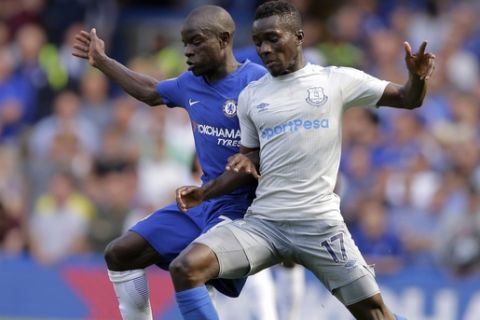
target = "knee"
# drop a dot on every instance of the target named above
(114, 255)
(183, 267)
(188, 271)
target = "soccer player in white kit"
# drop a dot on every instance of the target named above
(290, 120)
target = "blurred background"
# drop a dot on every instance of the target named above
(80, 162)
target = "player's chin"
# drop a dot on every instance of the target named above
(275, 71)
(196, 70)
(274, 68)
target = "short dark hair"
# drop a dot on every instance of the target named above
(285, 10)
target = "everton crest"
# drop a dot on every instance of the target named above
(230, 108)
(316, 97)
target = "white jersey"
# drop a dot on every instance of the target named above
(295, 119)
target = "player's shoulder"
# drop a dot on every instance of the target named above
(187, 76)
(258, 83)
(315, 68)
(254, 67)
(252, 70)
(252, 89)
(182, 80)
(344, 71)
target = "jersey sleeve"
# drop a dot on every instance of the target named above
(248, 132)
(171, 92)
(359, 88)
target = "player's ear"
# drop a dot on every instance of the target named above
(300, 36)
(225, 39)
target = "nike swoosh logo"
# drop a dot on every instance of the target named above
(192, 102)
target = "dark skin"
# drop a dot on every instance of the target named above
(280, 48)
(209, 54)
(191, 196)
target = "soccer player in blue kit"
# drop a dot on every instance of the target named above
(208, 91)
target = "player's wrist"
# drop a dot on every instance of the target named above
(100, 61)
(416, 77)
(204, 193)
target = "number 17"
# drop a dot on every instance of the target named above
(328, 245)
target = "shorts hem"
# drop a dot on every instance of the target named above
(361, 298)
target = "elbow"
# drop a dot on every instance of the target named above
(151, 102)
(414, 105)
(152, 98)
(411, 99)
(411, 102)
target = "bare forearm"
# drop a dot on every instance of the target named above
(139, 86)
(414, 92)
(238, 174)
(228, 182)
(408, 96)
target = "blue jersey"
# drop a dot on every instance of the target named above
(213, 113)
(248, 53)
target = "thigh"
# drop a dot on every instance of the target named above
(168, 231)
(242, 248)
(327, 249)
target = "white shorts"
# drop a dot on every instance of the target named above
(325, 247)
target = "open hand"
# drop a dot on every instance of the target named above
(241, 163)
(89, 46)
(188, 197)
(420, 64)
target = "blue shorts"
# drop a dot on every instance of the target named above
(169, 231)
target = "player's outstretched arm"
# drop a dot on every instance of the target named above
(89, 46)
(420, 67)
(241, 170)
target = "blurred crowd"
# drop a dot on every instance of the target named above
(80, 161)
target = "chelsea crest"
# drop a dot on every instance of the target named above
(230, 108)
(316, 97)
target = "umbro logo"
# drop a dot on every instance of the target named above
(192, 102)
(262, 107)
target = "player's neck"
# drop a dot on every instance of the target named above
(296, 65)
(230, 66)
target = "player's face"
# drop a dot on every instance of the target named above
(202, 50)
(276, 45)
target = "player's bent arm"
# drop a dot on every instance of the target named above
(139, 86)
(228, 182)
(420, 67)
(253, 154)
(408, 96)
(90, 47)
(191, 196)
(241, 170)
